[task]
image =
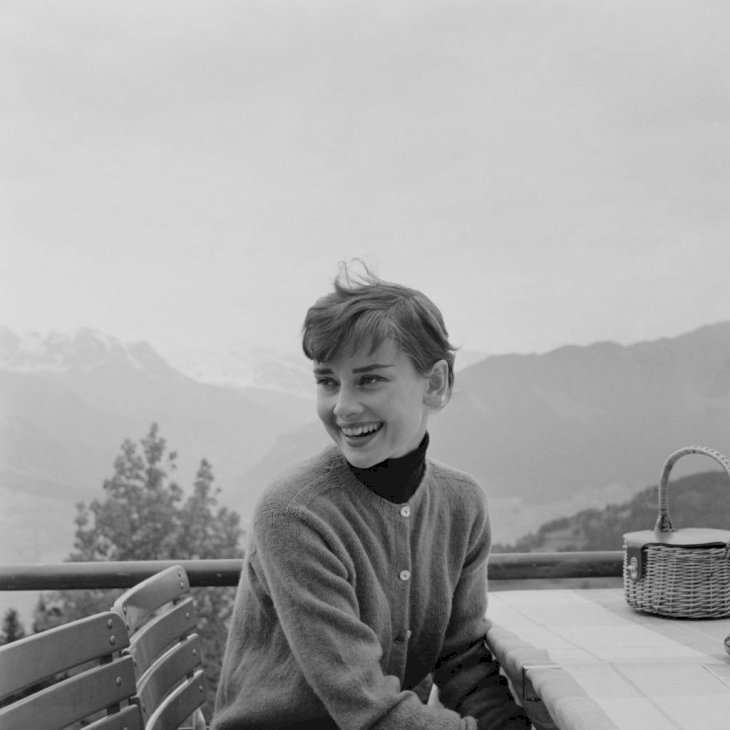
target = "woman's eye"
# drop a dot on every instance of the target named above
(327, 383)
(370, 379)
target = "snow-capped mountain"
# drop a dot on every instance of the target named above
(81, 351)
(244, 366)
(86, 349)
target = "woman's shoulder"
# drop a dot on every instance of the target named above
(456, 484)
(452, 476)
(297, 484)
(460, 500)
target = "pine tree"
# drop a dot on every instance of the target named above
(140, 517)
(145, 516)
(12, 628)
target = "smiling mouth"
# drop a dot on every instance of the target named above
(360, 432)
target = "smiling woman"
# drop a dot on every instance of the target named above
(365, 579)
(375, 404)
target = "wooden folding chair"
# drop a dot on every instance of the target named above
(160, 616)
(72, 673)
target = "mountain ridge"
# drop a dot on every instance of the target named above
(696, 500)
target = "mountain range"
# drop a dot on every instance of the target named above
(577, 427)
(546, 434)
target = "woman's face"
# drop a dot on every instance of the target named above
(372, 404)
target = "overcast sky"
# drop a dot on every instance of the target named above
(192, 172)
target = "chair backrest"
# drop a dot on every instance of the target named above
(71, 673)
(161, 619)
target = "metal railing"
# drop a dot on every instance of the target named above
(502, 567)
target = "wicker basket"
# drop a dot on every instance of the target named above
(679, 573)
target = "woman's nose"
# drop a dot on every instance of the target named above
(347, 403)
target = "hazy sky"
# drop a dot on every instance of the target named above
(191, 172)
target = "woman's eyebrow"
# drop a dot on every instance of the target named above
(368, 368)
(362, 369)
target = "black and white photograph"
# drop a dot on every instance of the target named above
(389, 341)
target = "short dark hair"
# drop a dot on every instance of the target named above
(365, 309)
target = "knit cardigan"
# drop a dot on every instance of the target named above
(347, 602)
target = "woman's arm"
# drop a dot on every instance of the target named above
(467, 674)
(339, 656)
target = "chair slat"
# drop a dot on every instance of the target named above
(139, 602)
(167, 672)
(179, 705)
(163, 632)
(129, 718)
(28, 661)
(72, 699)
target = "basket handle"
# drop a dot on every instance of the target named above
(664, 522)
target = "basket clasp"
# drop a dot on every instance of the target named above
(634, 562)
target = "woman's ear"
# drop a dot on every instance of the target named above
(437, 391)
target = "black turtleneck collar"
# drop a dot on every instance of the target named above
(395, 479)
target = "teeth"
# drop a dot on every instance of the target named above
(359, 430)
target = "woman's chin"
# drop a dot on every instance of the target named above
(361, 457)
(359, 460)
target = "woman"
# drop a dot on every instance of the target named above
(366, 569)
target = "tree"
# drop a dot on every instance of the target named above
(146, 516)
(140, 517)
(12, 628)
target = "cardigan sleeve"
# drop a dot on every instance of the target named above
(466, 673)
(337, 653)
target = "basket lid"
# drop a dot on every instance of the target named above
(686, 537)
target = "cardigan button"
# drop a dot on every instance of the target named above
(405, 511)
(405, 575)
